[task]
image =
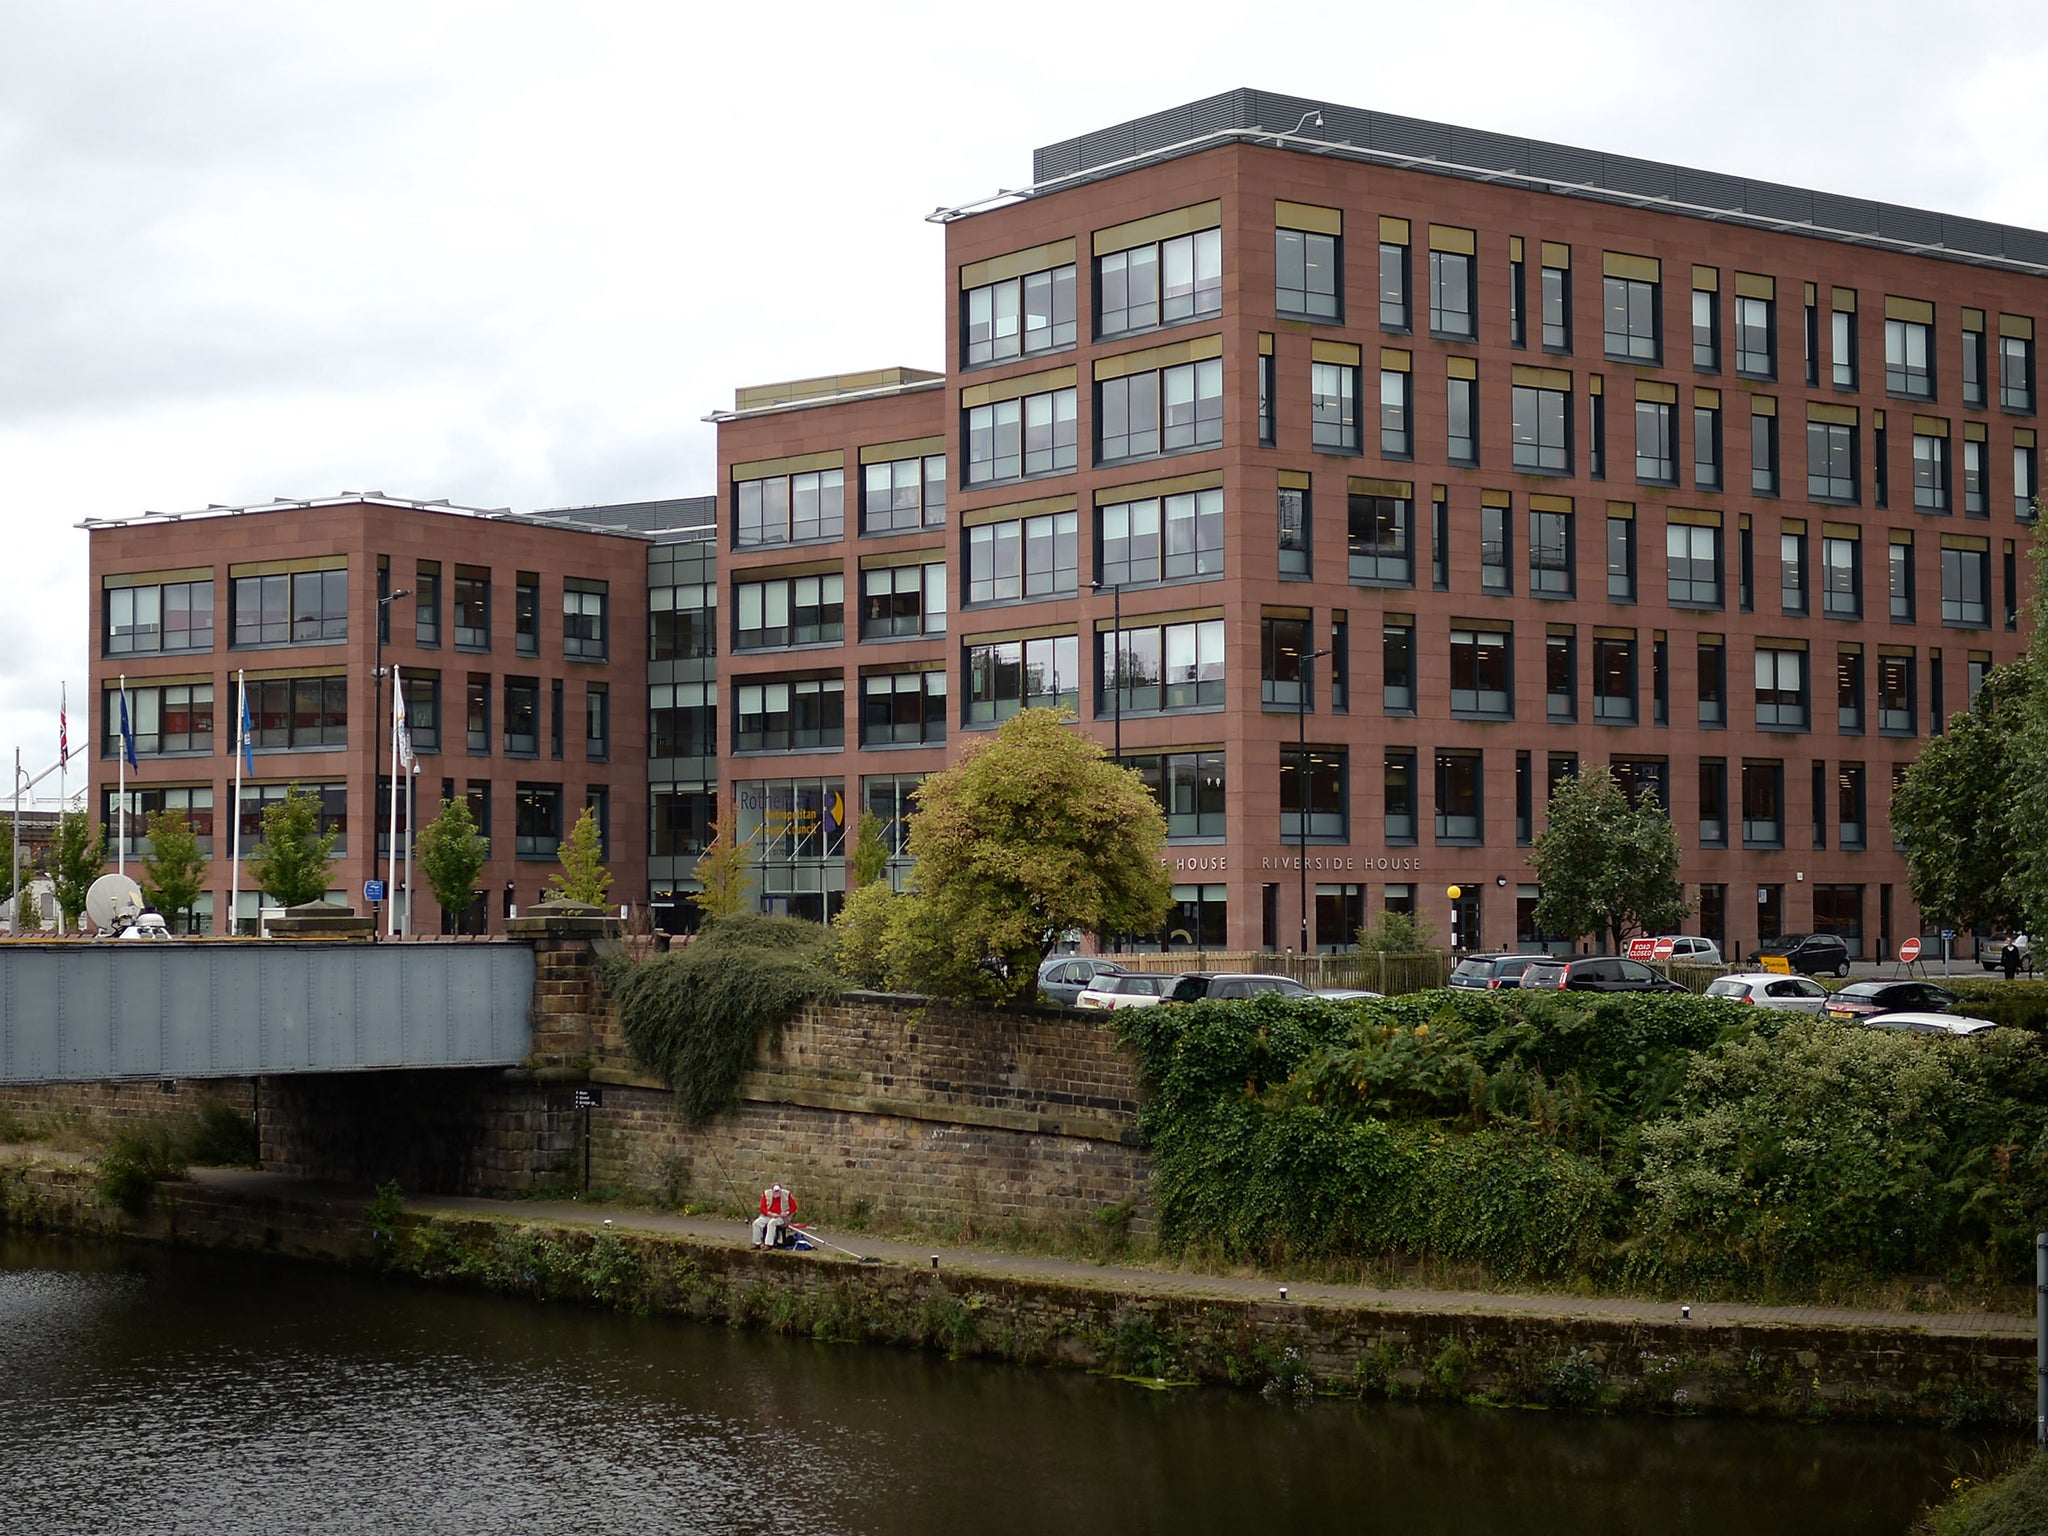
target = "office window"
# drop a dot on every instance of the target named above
(1897, 712)
(1979, 670)
(1621, 558)
(1309, 279)
(1293, 530)
(1525, 800)
(1901, 574)
(1693, 565)
(299, 713)
(2011, 583)
(1763, 453)
(1542, 429)
(803, 713)
(1656, 461)
(293, 608)
(157, 617)
(2016, 365)
(1713, 681)
(1561, 673)
(1460, 797)
(903, 600)
(1395, 313)
(1614, 679)
(1462, 428)
(1482, 680)
(2026, 483)
(191, 804)
(1976, 484)
(1830, 461)
(1792, 568)
(1267, 429)
(1660, 678)
(1843, 349)
(1452, 295)
(1596, 433)
(1024, 558)
(1930, 473)
(426, 603)
(537, 822)
(1282, 678)
(1189, 787)
(1018, 316)
(1397, 663)
(1909, 357)
(1313, 791)
(178, 717)
(423, 709)
(788, 509)
(586, 631)
(1333, 406)
(1841, 560)
(1632, 333)
(1009, 439)
(472, 608)
(1161, 538)
(1397, 799)
(1006, 676)
(1168, 411)
(1706, 447)
(1397, 438)
(477, 713)
(1161, 667)
(1557, 309)
(1551, 553)
(1812, 340)
(522, 717)
(1440, 540)
(333, 817)
(682, 622)
(790, 610)
(1159, 284)
(1706, 330)
(901, 495)
(1745, 540)
(1780, 689)
(526, 614)
(1495, 549)
(1518, 295)
(682, 720)
(556, 718)
(903, 708)
(1763, 805)
(1966, 587)
(1974, 372)
(1713, 802)
(1381, 549)
(1756, 336)
(1850, 804)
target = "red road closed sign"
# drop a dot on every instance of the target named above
(1642, 949)
(1663, 950)
(1910, 951)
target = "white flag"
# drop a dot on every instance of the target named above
(398, 723)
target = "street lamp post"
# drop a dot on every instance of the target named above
(1301, 779)
(377, 726)
(1116, 667)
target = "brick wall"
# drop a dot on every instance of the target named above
(96, 1107)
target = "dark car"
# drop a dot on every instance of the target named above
(1864, 1000)
(1491, 971)
(1810, 954)
(1061, 978)
(1596, 973)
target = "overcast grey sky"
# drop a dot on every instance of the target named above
(511, 254)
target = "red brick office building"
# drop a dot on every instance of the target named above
(1396, 469)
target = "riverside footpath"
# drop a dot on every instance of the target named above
(1299, 1337)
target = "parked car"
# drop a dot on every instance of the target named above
(1691, 949)
(1492, 971)
(1787, 994)
(1596, 973)
(1865, 1000)
(1222, 986)
(1810, 954)
(1931, 1023)
(1061, 978)
(1991, 952)
(1131, 989)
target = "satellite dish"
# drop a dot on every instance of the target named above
(113, 902)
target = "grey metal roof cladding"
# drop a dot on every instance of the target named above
(676, 517)
(1472, 153)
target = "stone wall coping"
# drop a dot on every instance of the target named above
(563, 920)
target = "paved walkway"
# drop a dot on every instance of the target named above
(1153, 1282)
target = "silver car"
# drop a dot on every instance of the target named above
(1130, 990)
(1788, 994)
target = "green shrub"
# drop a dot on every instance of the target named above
(138, 1157)
(2014, 1504)
(2016, 1004)
(220, 1136)
(695, 1015)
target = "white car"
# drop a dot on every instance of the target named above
(1928, 1023)
(1789, 994)
(1132, 989)
(1690, 949)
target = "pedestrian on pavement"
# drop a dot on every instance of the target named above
(2009, 959)
(777, 1206)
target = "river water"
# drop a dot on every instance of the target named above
(152, 1391)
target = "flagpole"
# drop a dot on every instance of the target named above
(412, 804)
(63, 740)
(121, 793)
(235, 835)
(397, 716)
(17, 842)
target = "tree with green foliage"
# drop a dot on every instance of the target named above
(869, 860)
(584, 877)
(1396, 933)
(451, 855)
(1958, 810)
(78, 856)
(725, 870)
(1031, 835)
(174, 870)
(290, 864)
(1607, 867)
